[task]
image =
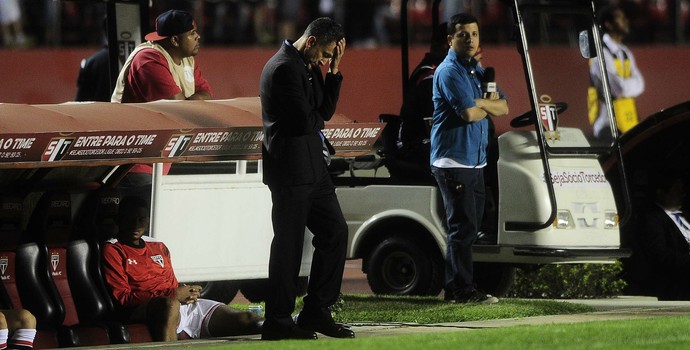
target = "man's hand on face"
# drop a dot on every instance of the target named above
(337, 55)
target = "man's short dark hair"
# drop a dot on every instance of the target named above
(461, 19)
(326, 30)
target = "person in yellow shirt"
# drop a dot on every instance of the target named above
(625, 79)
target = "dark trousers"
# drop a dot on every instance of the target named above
(315, 207)
(463, 198)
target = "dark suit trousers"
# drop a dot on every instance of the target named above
(316, 207)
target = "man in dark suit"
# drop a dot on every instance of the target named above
(296, 100)
(660, 261)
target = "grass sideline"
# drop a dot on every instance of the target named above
(425, 310)
(357, 309)
(650, 333)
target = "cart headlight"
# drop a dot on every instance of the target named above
(610, 219)
(564, 220)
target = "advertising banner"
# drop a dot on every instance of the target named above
(99, 141)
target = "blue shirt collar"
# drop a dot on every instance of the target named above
(470, 64)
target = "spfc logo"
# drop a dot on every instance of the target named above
(176, 145)
(158, 259)
(55, 260)
(549, 119)
(125, 47)
(3, 265)
(56, 149)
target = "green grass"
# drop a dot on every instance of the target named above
(359, 309)
(369, 308)
(652, 333)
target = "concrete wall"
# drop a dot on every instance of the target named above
(372, 77)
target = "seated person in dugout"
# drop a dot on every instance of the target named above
(138, 270)
(17, 329)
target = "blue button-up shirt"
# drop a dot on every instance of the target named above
(456, 84)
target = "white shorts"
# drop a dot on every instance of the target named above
(194, 318)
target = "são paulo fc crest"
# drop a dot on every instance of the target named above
(4, 262)
(54, 261)
(158, 259)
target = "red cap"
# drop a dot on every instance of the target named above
(172, 22)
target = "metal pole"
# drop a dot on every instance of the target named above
(404, 47)
(679, 24)
(127, 23)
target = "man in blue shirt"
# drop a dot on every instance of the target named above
(459, 138)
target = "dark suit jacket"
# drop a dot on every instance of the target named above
(93, 82)
(662, 254)
(295, 103)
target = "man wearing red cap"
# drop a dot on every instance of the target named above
(163, 67)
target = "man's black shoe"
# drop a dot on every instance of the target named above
(335, 330)
(324, 325)
(273, 332)
(474, 297)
